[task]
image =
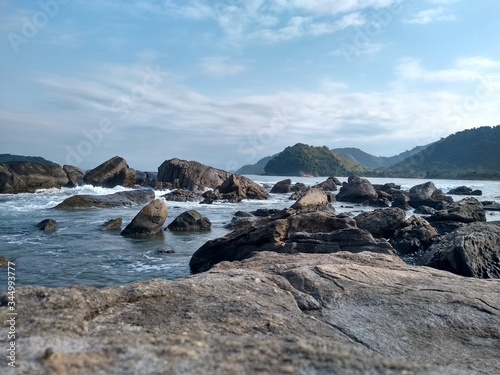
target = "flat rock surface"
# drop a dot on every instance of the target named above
(122, 198)
(340, 313)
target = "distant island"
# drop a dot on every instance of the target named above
(468, 154)
(10, 158)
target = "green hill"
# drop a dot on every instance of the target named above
(367, 160)
(257, 168)
(304, 160)
(468, 154)
(9, 158)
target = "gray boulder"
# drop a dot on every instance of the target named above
(464, 190)
(191, 175)
(356, 190)
(111, 173)
(27, 177)
(467, 210)
(75, 176)
(282, 187)
(428, 195)
(414, 236)
(122, 198)
(190, 220)
(472, 251)
(329, 185)
(381, 223)
(149, 221)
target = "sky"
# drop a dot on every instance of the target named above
(228, 82)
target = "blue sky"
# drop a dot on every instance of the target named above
(228, 82)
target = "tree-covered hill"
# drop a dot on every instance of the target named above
(9, 158)
(304, 160)
(257, 168)
(367, 160)
(468, 154)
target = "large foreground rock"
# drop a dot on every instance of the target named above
(122, 198)
(148, 221)
(27, 177)
(288, 231)
(111, 173)
(473, 251)
(301, 314)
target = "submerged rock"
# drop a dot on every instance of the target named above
(112, 225)
(190, 220)
(122, 198)
(47, 225)
(148, 221)
(340, 313)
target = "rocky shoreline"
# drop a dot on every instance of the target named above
(302, 290)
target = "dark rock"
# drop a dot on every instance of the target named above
(388, 187)
(312, 199)
(329, 185)
(467, 210)
(401, 200)
(75, 176)
(238, 222)
(275, 233)
(472, 251)
(111, 173)
(112, 225)
(242, 188)
(491, 206)
(191, 175)
(243, 214)
(263, 212)
(356, 190)
(381, 223)
(445, 227)
(424, 210)
(342, 313)
(380, 202)
(27, 177)
(282, 187)
(122, 198)
(190, 220)
(182, 195)
(414, 236)
(148, 221)
(464, 190)
(141, 178)
(210, 196)
(47, 225)
(427, 195)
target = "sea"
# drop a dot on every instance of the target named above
(79, 253)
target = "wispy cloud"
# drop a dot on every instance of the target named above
(431, 15)
(221, 66)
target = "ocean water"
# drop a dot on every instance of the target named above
(79, 253)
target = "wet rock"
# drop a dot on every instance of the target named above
(472, 251)
(182, 195)
(464, 190)
(149, 221)
(111, 173)
(122, 198)
(27, 177)
(329, 185)
(356, 190)
(401, 200)
(47, 225)
(428, 195)
(381, 223)
(210, 196)
(190, 220)
(263, 212)
(424, 210)
(313, 199)
(112, 225)
(414, 236)
(467, 210)
(282, 187)
(243, 188)
(491, 206)
(243, 214)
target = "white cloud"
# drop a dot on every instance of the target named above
(431, 15)
(221, 66)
